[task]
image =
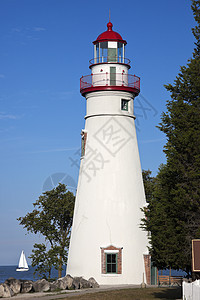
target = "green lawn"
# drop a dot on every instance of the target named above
(129, 294)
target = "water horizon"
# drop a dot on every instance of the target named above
(7, 271)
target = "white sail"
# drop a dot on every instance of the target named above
(23, 266)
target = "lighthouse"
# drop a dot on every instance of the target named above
(107, 242)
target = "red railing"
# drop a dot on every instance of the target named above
(110, 80)
(109, 59)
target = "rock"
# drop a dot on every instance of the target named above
(41, 285)
(5, 291)
(80, 283)
(69, 280)
(84, 284)
(53, 286)
(64, 282)
(14, 284)
(26, 286)
(76, 283)
(1, 290)
(93, 283)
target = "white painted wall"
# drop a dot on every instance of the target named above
(101, 74)
(108, 103)
(108, 201)
(95, 69)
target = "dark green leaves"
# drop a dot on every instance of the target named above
(173, 214)
(52, 217)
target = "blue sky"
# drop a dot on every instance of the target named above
(45, 46)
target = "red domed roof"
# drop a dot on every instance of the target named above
(109, 35)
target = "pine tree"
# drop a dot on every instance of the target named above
(148, 182)
(174, 212)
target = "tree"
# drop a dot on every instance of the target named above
(43, 260)
(163, 222)
(173, 215)
(148, 182)
(52, 217)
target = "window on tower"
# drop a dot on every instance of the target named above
(83, 142)
(111, 263)
(111, 260)
(124, 104)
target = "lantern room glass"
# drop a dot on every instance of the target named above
(120, 52)
(110, 51)
(103, 51)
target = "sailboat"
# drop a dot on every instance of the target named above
(22, 266)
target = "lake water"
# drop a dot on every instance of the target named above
(10, 271)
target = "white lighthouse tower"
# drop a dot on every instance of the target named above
(107, 242)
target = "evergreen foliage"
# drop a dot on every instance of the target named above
(148, 182)
(173, 215)
(52, 217)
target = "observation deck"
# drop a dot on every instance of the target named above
(110, 82)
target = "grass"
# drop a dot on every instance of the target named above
(129, 294)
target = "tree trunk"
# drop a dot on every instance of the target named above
(49, 274)
(170, 274)
(60, 267)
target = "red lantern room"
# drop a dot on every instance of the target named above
(109, 47)
(109, 66)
